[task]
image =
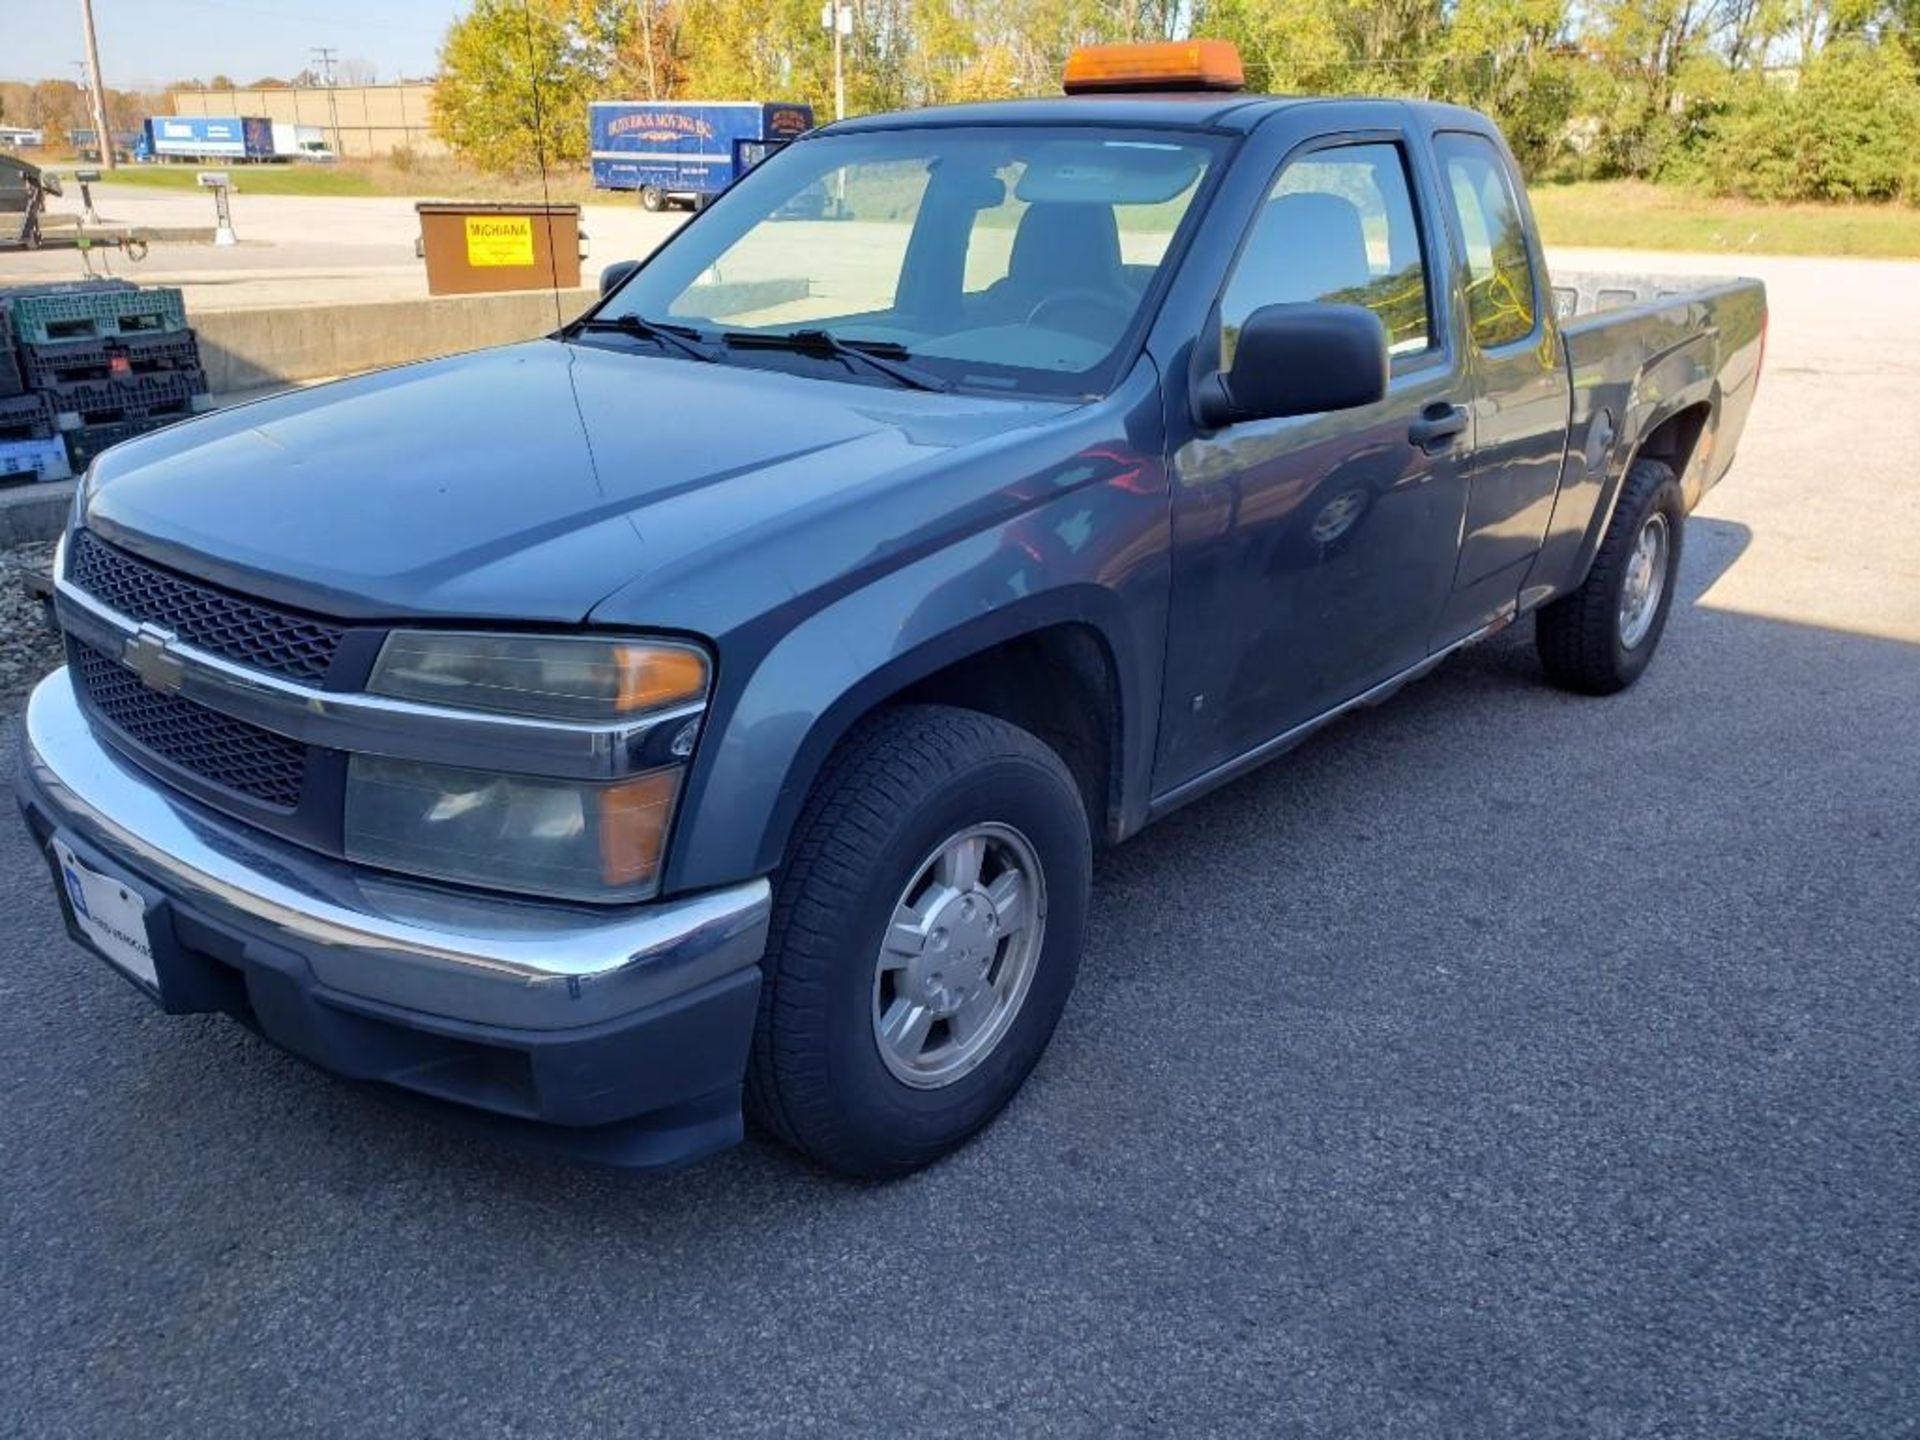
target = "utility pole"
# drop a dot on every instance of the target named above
(324, 56)
(99, 91)
(838, 17)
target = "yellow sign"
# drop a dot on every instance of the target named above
(499, 240)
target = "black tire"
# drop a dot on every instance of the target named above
(903, 782)
(652, 197)
(1579, 636)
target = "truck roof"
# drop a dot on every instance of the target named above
(1197, 110)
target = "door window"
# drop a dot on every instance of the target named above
(1338, 225)
(1500, 288)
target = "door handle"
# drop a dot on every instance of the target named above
(1438, 426)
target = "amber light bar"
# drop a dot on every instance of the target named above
(1162, 65)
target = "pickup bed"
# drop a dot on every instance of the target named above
(715, 705)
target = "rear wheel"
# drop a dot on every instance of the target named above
(1600, 638)
(652, 197)
(926, 932)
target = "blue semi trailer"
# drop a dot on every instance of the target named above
(686, 150)
(206, 137)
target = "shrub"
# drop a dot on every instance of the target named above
(1847, 127)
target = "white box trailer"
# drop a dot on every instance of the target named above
(300, 142)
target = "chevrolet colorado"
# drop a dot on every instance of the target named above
(715, 704)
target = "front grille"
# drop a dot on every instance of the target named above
(241, 630)
(204, 742)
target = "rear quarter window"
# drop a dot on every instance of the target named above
(1501, 306)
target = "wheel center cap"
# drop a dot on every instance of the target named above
(963, 932)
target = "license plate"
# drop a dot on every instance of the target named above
(111, 914)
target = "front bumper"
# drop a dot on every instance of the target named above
(617, 1033)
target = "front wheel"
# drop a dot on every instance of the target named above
(652, 197)
(926, 932)
(1600, 638)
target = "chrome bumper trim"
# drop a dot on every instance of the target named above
(375, 725)
(481, 959)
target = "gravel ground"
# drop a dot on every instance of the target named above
(28, 649)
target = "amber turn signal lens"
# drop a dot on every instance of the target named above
(652, 676)
(633, 826)
(1162, 65)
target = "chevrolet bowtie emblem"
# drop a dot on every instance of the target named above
(149, 654)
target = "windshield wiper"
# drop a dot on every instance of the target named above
(884, 357)
(682, 338)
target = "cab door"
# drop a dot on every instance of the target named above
(1313, 556)
(1521, 389)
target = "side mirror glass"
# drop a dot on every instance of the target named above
(1299, 360)
(615, 275)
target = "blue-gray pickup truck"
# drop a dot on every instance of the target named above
(711, 709)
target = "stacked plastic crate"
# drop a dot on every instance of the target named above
(29, 447)
(94, 364)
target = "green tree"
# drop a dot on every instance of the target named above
(515, 78)
(1843, 126)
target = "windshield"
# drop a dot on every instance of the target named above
(1007, 259)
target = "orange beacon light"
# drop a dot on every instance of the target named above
(1162, 65)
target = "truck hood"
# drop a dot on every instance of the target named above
(507, 484)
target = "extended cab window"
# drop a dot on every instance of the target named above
(1338, 225)
(1012, 259)
(1500, 290)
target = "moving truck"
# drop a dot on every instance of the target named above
(686, 150)
(206, 137)
(300, 142)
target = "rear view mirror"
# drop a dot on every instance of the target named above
(1299, 360)
(615, 275)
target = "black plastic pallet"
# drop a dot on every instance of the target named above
(12, 382)
(86, 443)
(133, 397)
(26, 417)
(76, 361)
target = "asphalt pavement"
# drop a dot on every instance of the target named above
(1502, 1063)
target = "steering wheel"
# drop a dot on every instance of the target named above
(1122, 309)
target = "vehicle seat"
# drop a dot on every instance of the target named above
(1060, 246)
(1307, 247)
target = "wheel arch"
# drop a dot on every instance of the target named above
(1675, 438)
(1074, 641)
(1670, 432)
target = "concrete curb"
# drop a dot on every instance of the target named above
(249, 349)
(35, 511)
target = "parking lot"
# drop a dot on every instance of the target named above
(297, 250)
(1502, 1063)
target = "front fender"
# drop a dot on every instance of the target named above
(1096, 555)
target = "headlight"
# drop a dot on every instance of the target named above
(574, 678)
(572, 839)
(567, 839)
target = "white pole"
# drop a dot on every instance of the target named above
(839, 70)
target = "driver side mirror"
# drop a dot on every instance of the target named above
(615, 275)
(1298, 360)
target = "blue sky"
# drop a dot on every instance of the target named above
(146, 43)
